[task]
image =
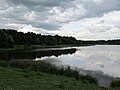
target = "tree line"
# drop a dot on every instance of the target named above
(100, 42)
(9, 38)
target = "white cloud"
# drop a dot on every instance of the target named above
(10, 9)
(30, 16)
(28, 28)
(97, 1)
(60, 14)
(105, 27)
(83, 19)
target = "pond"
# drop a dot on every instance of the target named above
(100, 61)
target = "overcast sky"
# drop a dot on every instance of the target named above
(83, 19)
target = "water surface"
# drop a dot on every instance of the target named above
(105, 58)
(99, 61)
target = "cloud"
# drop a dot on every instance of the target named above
(105, 27)
(99, 7)
(95, 16)
(45, 3)
(68, 15)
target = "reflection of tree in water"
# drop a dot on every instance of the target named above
(34, 54)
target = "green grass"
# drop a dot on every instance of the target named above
(26, 47)
(5, 49)
(115, 83)
(29, 75)
(49, 69)
(20, 79)
(53, 46)
(16, 47)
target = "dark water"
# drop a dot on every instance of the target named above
(101, 61)
(37, 53)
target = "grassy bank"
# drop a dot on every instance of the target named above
(21, 79)
(18, 76)
(5, 49)
(49, 69)
(26, 47)
(115, 83)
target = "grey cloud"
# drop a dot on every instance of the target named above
(47, 26)
(46, 3)
(98, 9)
(90, 5)
(42, 8)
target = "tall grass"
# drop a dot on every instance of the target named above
(49, 68)
(115, 83)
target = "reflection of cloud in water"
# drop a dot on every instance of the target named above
(50, 59)
(98, 61)
(103, 58)
(71, 60)
(103, 79)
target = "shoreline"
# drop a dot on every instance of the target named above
(20, 75)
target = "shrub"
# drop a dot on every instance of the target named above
(115, 83)
(50, 68)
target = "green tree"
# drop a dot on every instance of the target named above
(3, 40)
(11, 42)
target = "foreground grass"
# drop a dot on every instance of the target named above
(115, 83)
(20, 79)
(26, 79)
(48, 68)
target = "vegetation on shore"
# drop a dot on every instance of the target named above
(32, 75)
(115, 83)
(20, 79)
(26, 79)
(50, 69)
(27, 47)
(9, 38)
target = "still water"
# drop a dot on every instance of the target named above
(104, 58)
(96, 60)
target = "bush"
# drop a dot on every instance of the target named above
(88, 79)
(50, 68)
(115, 83)
(4, 63)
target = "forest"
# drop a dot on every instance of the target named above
(9, 38)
